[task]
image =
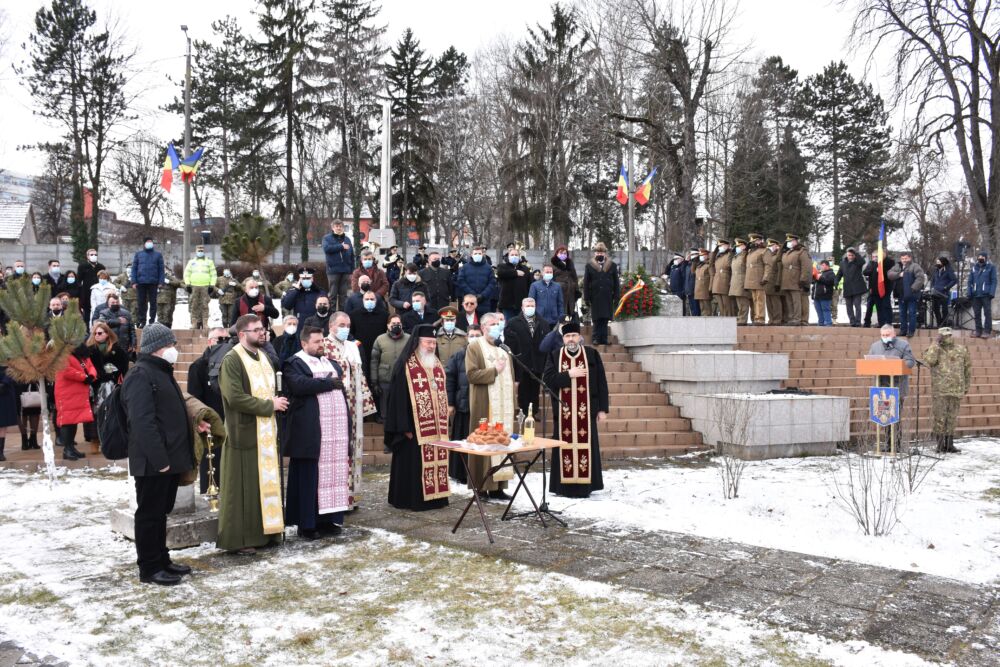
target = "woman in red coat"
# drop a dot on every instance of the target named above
(73, 399)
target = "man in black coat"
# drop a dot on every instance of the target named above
(600, 291)
(882, 303)
(367, 324)
(160, 449)
(322, 317)
(86, 275)
(458, 404)
(851, 271)
(438, 281)
(524, 334)
(418, 314)
(307, 375)
(203, 386)
(513, 283)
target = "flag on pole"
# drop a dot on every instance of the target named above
(170, 163)
(622, 195)
(189, 165)
(881, 260)
(638, 287)
(645, 191)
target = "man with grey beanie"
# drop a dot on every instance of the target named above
(160, 449)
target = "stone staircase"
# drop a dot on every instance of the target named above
(821, 360)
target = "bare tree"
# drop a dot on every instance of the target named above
(869, 488)
(136, 176)
(52, 192)
(947, 60)
(734, 418)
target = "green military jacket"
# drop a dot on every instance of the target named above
(230, 288)
(951, 368)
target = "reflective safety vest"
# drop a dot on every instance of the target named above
(200, 272)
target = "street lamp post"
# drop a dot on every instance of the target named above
(187, 147)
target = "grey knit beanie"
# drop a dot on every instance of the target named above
(156, 337)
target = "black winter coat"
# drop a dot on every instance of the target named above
(439, 286)
(457, 382)
(8, 398)
(300, 427)
(600, 289)
(199, 386)
(823, 286)
(871, 273)
(86, 276)
(525, 346)
(513, 288)
(159, 430)
(853, 274)
(365, 328)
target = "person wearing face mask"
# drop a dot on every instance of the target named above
(390, 264)
(576, 373)
(676, 277)
(300, 300)
(476, 277)
(87, 275)
(451, 262)
(703, 283)
(99, 293)
(146, 277)
(438, 282)
(200, 277)
(548, 296)
(601, 289)
(851, 276)
(385, 351)
(72, 393)
(909, 279)
(339, 251)
(321, 319)
(357, 299)
(282, 286)
(796, 278)
(346, 354)
(722, 276)
(120, 321)
(123, 283)
(493, 397)
(753, 281)
(524, 335)
(513, 283)
(450, 339)
(457, 383)
(254, 302)
(401, 294)
(287, 344)
(740, 298)
(942, 281)
(228, 289)
(823, 293)
(368, 323)
(54, 278)
(982, 287)
(160, 449)
(889, 345)
(19, 270)
(951, 378)
(418, 314)
(879, 301)
(772, 284)
(71, 285)
(693, 308)
(378, 282)
(166, 300)
(565, 275)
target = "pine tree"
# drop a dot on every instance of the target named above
(752, 186)
(77, 225)
(251, 240)
(35, 348)
(453, 140)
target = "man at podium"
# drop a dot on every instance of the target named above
(889, 346)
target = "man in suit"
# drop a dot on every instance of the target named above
(524, 334)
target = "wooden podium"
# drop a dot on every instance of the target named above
(893, 369)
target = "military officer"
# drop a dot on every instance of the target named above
(703, 283)
(753, 282)
(200, 277)
(738, 294)
(951, 377)
(166, 298)
(229, 289)
(125, 290)
(772, 283)
(796, 277)
(722, 274)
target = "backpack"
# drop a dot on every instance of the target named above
(112, 424)
(215, 355)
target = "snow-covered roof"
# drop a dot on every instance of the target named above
(13, 216)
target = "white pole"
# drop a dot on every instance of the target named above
(385, 213)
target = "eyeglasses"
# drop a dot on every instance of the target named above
(100, 332)
(257, 330)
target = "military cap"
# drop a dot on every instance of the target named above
(723, 242)
(773, 242)
(448, 312)
(944, 331)
(754, 236)
(739, 241)
(791, 237)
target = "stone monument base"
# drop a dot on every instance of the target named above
(190, 524)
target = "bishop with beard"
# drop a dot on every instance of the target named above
(417, 416)
(576, 374)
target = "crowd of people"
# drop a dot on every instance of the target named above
(760, 281)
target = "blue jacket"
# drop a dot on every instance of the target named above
(477, 279)
(147, 268)
(338, 260)
(678, 279)
(943, 280)
(548, 300)
(983, 280)
(302, 302)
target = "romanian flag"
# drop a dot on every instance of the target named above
(881, 260)
(622, 195)
(169, 164)
(189, 165)
(645, 191)
(638, 287)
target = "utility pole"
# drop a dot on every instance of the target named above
(630, 178)
(187, 148)
(385, 212)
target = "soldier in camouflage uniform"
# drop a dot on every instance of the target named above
(125, 290)
(951, 377)
(229, 289)
(166, 298)
(282, 287)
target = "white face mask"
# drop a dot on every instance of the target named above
(170, 355)
(723, 248)
(92, 258)
(477, 258)
(887, 340)
(252, 293)
(411, 277)
(739, 249)
(291, 329)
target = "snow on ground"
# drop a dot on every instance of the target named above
(949, 527)
(68, 587)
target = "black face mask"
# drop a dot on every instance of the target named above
(322, 310)
(115, 309)
(599, 258)
(982, 260)
(395, 330)
(56, 313)
(363, 287)
(436, 263)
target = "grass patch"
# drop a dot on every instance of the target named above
(29, 596)
(992, 494)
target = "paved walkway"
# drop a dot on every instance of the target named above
(11, 654)
(939, 619)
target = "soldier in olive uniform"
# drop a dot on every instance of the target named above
(753, 282)
(772, 283)
(166, 298)
(703, 283)
(737, 290)
(125, 290)
(796, 278)
(281, 287)
(722, 274)
(951, 378)
(229, 289)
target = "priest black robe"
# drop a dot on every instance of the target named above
(598, 385)
(406, 472)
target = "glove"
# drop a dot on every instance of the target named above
(803, 285)
(337, 384)
(188, 289)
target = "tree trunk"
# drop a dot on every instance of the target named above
(48, 443)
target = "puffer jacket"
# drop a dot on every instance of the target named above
(909, 280)
(477, 279)
(983, 280)
(338, 258)
(147, 268)
(73, 391)
(384, 354)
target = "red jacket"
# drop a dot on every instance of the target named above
(73, 394)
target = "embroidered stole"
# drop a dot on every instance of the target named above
(574, 421)
(262, 386)
(429, 400)
(360, 404)
(501, 394)
(334, 488)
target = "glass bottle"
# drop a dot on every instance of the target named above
(528, 430)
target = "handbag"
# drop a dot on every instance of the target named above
(31, 398)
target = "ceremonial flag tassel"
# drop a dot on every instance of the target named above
(645, 191)
(622, 195)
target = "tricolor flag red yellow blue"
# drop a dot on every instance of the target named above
(189, 165)
(881, 260)
(622, 195)
(645, 191)
(169, 164)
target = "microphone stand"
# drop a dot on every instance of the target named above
(544, 507)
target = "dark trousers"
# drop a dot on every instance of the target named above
(302, 509)
(154, 497)
(600, 336)
(693, 308)
(854, 309)
(340, 285)
(527, 393)
(146, 299)
(982, 309)
(884, 305)
(908, 317)
(203, 470)
(940, 303)
(67, 434)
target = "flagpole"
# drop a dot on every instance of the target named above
(385, 214)
(631, 191)
(187, 149)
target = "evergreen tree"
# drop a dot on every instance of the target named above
(410, 76)
(451, 112)
(752, 186)
(251, 240)
(77, 225)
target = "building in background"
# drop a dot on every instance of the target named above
(17, 222)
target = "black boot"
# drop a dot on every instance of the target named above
(24, 442)
(3, 443)
(69, 456)
(33, 441)
(76, 452)
(950, 445)
(940, 446)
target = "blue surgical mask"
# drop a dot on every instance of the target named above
(307, 283)
(36, 281)
(529, 311)
(547, 277)
(739, 249)
(369, 305)
(200, 254)
(513, 259)
(477, 258)
(149, 245)
(55, 272)
(343, 333)
(418, 306)
(449, 326)
(103, 281)
(19, 270)
(367, 263)
(495, 331)
(71, 280)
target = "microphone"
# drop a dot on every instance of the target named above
(277, 381)
(503, 346)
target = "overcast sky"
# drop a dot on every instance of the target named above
(807, 34)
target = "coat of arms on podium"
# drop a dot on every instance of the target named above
(883, 403)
